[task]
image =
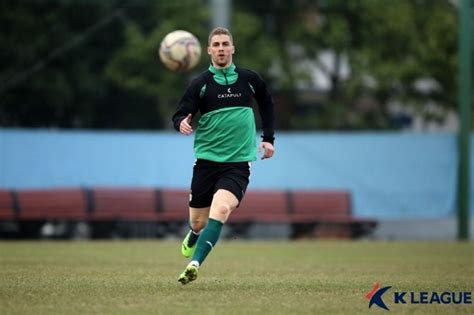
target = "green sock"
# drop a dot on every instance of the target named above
(207, 240)
(193, 237)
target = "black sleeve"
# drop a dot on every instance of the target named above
(265, 106)
(189, 103)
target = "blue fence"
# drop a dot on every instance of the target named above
(391, 175)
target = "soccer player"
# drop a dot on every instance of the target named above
(224, 144)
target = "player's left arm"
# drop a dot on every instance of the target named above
(265, 107)
(267, 148)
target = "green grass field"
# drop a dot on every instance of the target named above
(302, 277)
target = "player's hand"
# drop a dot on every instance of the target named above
(185, 126)
(267, 149)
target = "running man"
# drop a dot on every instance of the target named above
(224, 144)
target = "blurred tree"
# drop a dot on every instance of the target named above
(56, 55)
(136, 66)
(403, 57)
(372, 53)
(332, 64)
(51, 57)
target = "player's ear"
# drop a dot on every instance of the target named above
(208, 50)
(233, 49)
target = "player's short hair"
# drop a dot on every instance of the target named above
(219, 31)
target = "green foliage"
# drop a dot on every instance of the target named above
(400, 46)
(52, 58)
(255, 49)
(390, 47)
(136, 66)
(96, 65)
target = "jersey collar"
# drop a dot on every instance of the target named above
(229, 69)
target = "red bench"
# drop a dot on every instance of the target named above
(61, 204)
(326, 214)
(311, 213)
(123, 204)
(7, 209)
(123, 212)
(262, 206)
(174, 211)
(174, 205)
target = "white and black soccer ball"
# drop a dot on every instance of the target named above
(180, 51)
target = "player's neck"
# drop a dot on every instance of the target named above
(218, 67)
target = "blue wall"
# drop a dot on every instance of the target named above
(391, 175)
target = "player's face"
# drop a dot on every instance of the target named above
(221, 50)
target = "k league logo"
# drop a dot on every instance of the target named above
(417, 298)
(375, 296)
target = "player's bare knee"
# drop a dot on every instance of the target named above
(198, 225)
(223, 210)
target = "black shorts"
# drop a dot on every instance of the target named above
(208, 177)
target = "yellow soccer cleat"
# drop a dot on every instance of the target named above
(186, 250)
(189, 274)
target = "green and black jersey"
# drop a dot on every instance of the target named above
(226, 130)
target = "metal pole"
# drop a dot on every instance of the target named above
(220, 10)
(464, 104)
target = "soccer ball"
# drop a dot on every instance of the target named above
(180, 51)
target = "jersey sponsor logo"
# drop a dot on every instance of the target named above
(229, 94)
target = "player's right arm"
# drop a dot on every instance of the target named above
(187, 108)
(185, 126)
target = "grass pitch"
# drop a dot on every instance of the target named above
(303, 277)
